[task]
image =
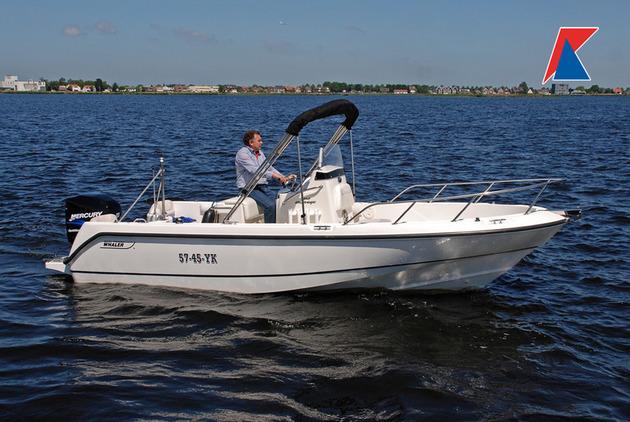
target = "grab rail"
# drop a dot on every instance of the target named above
(483, 182)
(160, 191)
(474, 197)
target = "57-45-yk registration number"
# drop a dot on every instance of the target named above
(198, 258)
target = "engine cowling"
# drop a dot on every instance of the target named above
(83, 208)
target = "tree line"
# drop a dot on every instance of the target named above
(333, 86)
(523, 88)
(338, 87)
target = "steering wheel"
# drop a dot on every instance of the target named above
(293, 183)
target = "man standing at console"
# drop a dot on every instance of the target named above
(248, 160)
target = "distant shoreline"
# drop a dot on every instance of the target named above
(291, 94)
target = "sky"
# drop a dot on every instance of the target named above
(291, 42)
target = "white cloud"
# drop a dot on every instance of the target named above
(71, 31)
(105, 27)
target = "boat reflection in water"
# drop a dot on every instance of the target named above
(311, 354)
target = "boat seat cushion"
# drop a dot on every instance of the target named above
(105, 218)
(169, 208)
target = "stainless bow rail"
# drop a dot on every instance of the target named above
(528, 184)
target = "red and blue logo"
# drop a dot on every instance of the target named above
(564, 63)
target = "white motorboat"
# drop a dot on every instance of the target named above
(323, 239)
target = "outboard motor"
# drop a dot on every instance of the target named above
(82, 208)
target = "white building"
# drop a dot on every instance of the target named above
(163, 88)
(560, 89)
(11, 82)
(210, 89)
(8, 82)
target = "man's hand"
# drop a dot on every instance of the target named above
(284, 179)
(289, 178)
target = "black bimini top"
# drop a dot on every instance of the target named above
(330, 108)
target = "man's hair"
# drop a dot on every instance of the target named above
(249, 135)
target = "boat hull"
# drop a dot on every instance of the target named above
(448, 275)
(252, 263)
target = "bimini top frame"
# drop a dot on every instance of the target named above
(331, 108)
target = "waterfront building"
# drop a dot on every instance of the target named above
(11, 82)
(447, 90)
(560, 89)
(161, 89)
(30, 85)
(204, 89)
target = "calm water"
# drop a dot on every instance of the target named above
(549, 340)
